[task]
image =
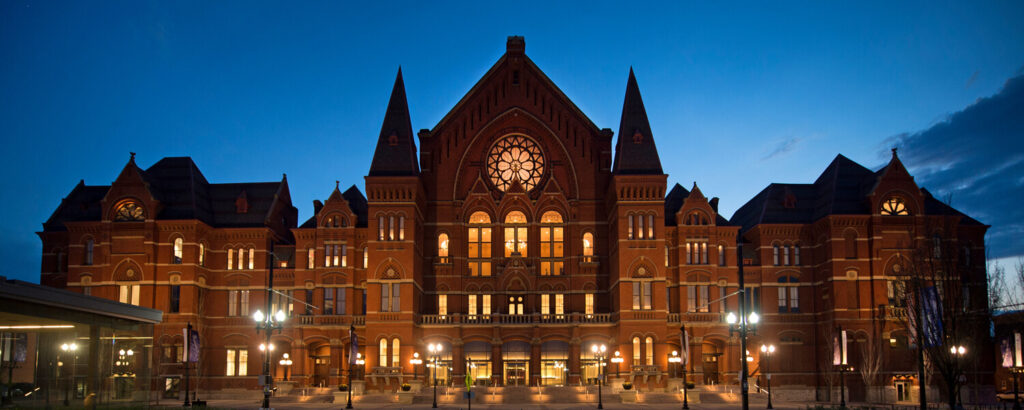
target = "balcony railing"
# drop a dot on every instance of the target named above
(321, 320)
(533, 318)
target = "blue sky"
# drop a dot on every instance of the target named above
(739, 94)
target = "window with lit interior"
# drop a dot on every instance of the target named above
(515, 158)
(894, 206)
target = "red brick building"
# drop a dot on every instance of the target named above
(515, 236)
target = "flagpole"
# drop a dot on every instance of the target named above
(352, 346)
(686, 360)
(188, 338)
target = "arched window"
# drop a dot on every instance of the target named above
(479, 243)
(650, 226)
(515, 234)
(785, 255)
(850, 240)
(383, 357)
(178, 244)
(639, 226)
(515, 305)
(588, 247)
(775, 255)
(636, 351)
(396, 353)
(442, 247)
(231, 259)
(202, 254)
(789, 295)
(650, 351)
(721, 255)
(936, 246)
(894, 206)
(552, 244)
(252, 258)
(796, 255)
(381, 228)
(629, 233)
(366, 258)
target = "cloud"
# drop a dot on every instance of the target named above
(976, 158)
(974, 77)
(783, 147)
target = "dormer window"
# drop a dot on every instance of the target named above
(894, 206)
(129, 211)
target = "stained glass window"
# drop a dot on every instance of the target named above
(894, 206)
(130, 211)
(512, 158)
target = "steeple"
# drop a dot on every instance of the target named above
(396, 151)
(635, 152)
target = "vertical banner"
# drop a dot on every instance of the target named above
(839, 348)
(193, 352)
(843, 348)
(686, 348)
(188, 347)
(931, 310)
(353, 346)
(20, 347)
(1007, 351)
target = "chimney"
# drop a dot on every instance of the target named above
(714, 204)
(317, 206)
(515, 45)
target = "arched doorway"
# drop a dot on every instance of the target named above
(516, 358)
(320, 358)
(711, 357)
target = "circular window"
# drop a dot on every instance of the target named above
(129, 211)
(515, 158)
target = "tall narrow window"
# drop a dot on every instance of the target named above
(589, 304)
(485, 305)
(129, 294)
(704, 253)
(545, 304)
(385, 300)
(785, 255)
(666, 257)
(640, 226)
(344, 256)
(703, 298)
(383, 357)
(650, 226)
(850, 240)
(442, 248)
(552, 244)
(721, 299)
(328, 301)
(241, 257)
(177, 251)
(231, 259)
(328, 252)
(691, 298)
(175, 305)
(636, 295)
(237, 362)
(636, 351)
(391, 228)
(252, 258)
(479, 243)
(401, 228)
(783, 300)
(396, 297)
(442, 305)
(647, 295)
(721, 255)
(396, 353)
(794, 297)
(471, 306)
(366, 258)
(629, 233)
(310, 258)
(689, 255)
(559, 304)
(243, 302)
(88, 252)
(796, 255)
(588, 247)
(649, 347)
(342, 301)
(380, 228)
(775, 255)
(515, 234)
(202, 255)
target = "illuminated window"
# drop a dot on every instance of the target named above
(642, 295)
(380, 228)
(559, 304)
(471, 306)
(390, 297)
(588, 247)
(667, 261)
(442, 248)
(241, 257)
(515, 234)
(545, 304)
(721, 255)
(640, 226)
(396, 353)
(697, 297)
(176, 255)
(366, 258)
(650, 350)
(252, 258)
(515, 305)
(479, 243)
(650, 226)
(775, 255)
(636, 351)
(237, 362)
(629, 233)
(310, 258)
(552, 244)
(589, 304)
(383, 357)
(401, 228)
(344, 256)
(894, 206)
(129, 294)
(391, 228)
(231, 259)
(202, 255)
(442, 305)
(485, 305)
(515, 158)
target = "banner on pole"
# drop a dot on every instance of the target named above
(686, 348)
(839, 348)
(353, 344)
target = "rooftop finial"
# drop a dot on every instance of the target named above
(894, 151)
(133, 156)
(336, 183)
(515, 45)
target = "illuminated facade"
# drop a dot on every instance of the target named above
(514, 238)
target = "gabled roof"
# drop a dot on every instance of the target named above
(635, 152)
(184, 193)
(395, 154)
(673, 202)
(356, 202)
(841, 189)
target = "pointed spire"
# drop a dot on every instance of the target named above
(635, 152)
(396, 151)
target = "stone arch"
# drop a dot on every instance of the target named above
(909, 201)
(389, 268)
(128, 271)
(642, 266)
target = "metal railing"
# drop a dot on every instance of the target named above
(533, 318)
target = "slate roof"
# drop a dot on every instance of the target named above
(635, 152)
(395, 154)
(674, 201)
(183, 192)
(840, 190)
(356, 202)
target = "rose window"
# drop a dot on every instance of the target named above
(513, 158)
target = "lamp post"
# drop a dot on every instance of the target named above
(958, 351)
(435, 354)
(768, 351)
(359, 362)
(286, 362)
(741, 324)
(674, 360)
(267, 323)
(69, 348)
(598, 351)
(416, 361)
(617, 359)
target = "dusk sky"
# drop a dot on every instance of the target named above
(739, 95)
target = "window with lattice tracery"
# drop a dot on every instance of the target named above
(894, 206)
(515, 158)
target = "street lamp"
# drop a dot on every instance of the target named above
(767, 351)
(598, 351)
(742, 324)
(416, 361)
(617, 358)
(675, 360)
(286, 362)
(268, 323)
(72, 348)
(958, 352)
(435, 353)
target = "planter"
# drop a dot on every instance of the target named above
(628, 396)
(405, 397)
(406, 387)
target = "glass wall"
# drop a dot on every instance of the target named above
(554, 361)
(478, 359)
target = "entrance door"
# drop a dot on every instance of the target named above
(320, 369)
(902, 391)
(711, 368)
(516, 373)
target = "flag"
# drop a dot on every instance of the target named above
(193, 352)
(353, 346)
(839, 348)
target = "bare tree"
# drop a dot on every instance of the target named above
(871, 362)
